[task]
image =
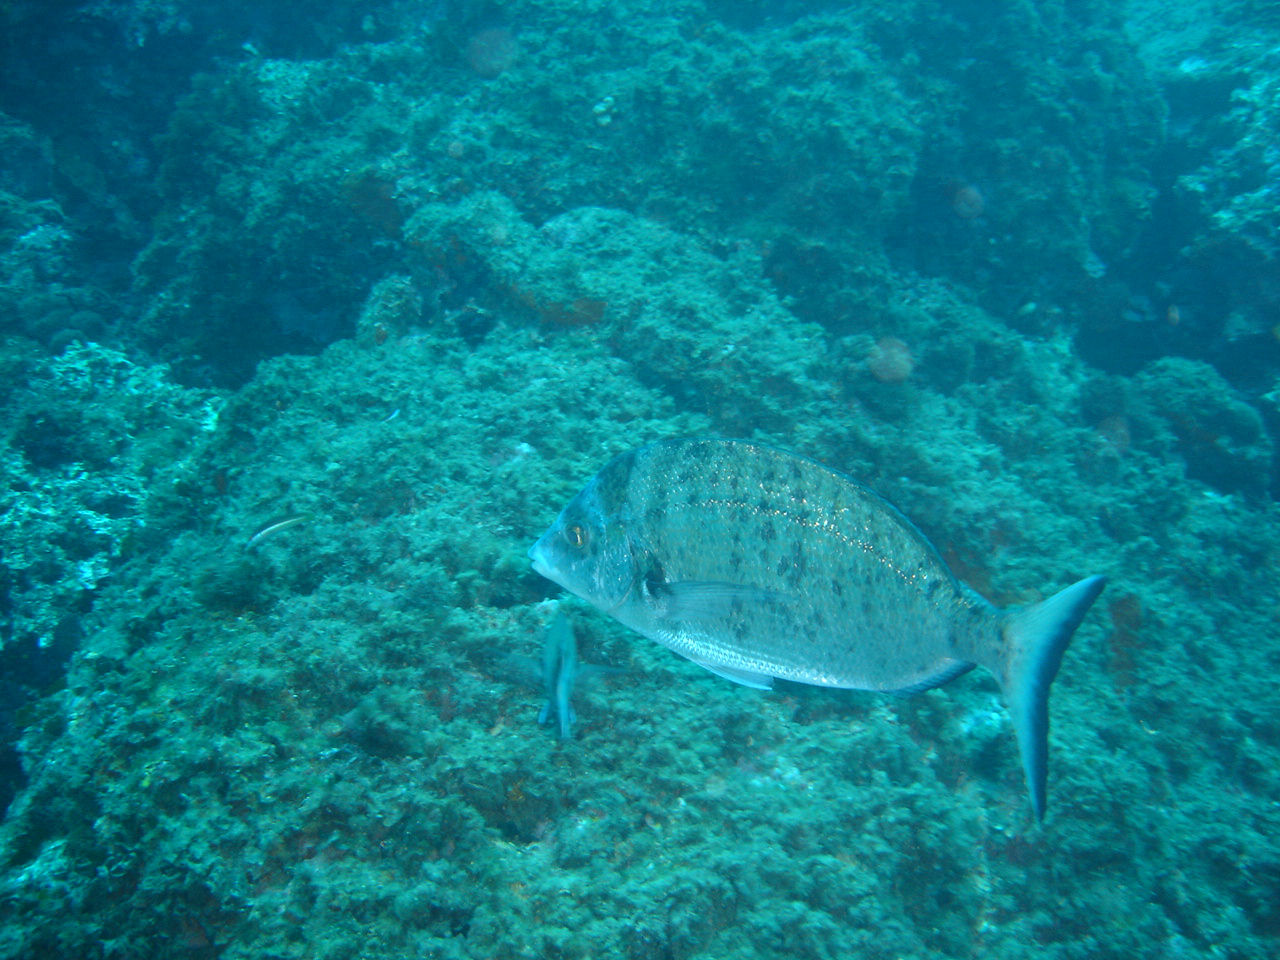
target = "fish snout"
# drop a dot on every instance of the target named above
(538, 557)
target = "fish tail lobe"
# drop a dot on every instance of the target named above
(1035, 638)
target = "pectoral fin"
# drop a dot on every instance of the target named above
(714, 601)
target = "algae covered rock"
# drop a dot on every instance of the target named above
(1220, 437)
(705, 328)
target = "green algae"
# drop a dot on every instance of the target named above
(96, 445)
(306, 750)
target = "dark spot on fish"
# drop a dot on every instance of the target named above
(837, 587)
(655, 581)
(767, 532)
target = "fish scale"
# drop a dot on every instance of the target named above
(699, 498)
(759, 564)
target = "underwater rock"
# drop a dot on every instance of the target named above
(1220, 437)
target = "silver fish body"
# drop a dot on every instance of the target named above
(756, 563)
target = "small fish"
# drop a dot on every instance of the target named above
(756, 564)
(560, 672)
(276, 526)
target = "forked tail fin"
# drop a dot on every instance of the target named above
(1035, 638)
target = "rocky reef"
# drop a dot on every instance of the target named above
(312, 320)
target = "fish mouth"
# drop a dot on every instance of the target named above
(538, 559)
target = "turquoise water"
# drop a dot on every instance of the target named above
(315, 315)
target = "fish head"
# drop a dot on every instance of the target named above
(587, 552)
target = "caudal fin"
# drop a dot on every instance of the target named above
(1035, 638)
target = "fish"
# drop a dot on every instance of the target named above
(275, 527)
(559, 670)
(759, 564)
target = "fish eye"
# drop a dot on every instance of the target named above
(576, 535)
